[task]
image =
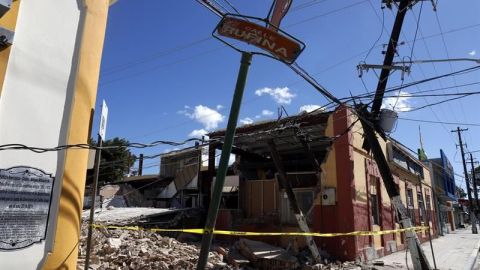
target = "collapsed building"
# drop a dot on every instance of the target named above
(336, 183)
(321, 156)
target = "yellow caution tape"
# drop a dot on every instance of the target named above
(240, 233)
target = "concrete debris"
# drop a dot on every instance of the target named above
(129, 249)
(121, 249)
(335, 265)
(266, 256)
(124, 215)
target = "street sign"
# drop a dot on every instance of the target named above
(278, 44)
(279, 10)
(103, 120)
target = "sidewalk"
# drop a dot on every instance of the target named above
(454, 251)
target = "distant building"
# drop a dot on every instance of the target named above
(184, 167)
(443, 179)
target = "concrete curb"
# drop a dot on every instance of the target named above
(470, 264)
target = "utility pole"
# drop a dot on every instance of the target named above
(140, 165)
(474, 181)
(389, 54)
(473, 218)
(370, 124)
(419, 260)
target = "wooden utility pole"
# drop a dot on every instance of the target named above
(419, 259)
(389, 54)
(474, 182)
(302, 222)
(473, 218)
(140, 165)
(370, 124)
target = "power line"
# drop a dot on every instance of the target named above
(162, 66)
(231, 6)
(414, 83)
(16, 146)
(152, 57)
(381, 30)
(449, 63)
(204, 52)
(463, 94)
(417, 19)
(436, 103)
(327, 13)
(305, 5)
(440, 122)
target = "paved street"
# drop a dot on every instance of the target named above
(452, 251)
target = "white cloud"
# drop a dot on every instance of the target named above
(267, 113)
(257, 116)
(280, 95)
(197, 133)
(472, 53)
(246, 121)
(309, 108)
(206, 116)
(219, 107)
(399, 104)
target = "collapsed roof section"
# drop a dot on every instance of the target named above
(295, 137)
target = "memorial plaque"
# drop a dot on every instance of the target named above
(25, 196)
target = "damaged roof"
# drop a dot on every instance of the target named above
(285, 133)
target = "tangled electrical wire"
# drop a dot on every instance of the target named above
(17, 146)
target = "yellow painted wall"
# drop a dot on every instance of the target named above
(329, 167)
(359, 157)
(8, 21)
(65, 251)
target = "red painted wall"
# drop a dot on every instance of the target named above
(340, 217)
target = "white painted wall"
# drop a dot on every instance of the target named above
(36, 100)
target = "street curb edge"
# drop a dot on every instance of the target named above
(470, 264)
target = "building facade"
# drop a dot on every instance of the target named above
(335, 181)
(443, 179)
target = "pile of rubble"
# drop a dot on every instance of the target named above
(127, 249)
(142, 249)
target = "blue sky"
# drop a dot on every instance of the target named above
(164, 77)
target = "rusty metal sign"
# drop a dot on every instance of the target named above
(278, 44)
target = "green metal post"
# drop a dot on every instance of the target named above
(222, 167)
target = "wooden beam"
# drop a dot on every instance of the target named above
(302, 223)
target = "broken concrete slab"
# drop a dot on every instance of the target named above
(265, 256)
(114, 242)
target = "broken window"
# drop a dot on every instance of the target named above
(374, 201)
(305, 198)
(420, 206)
(429, 207)
(411, 211)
